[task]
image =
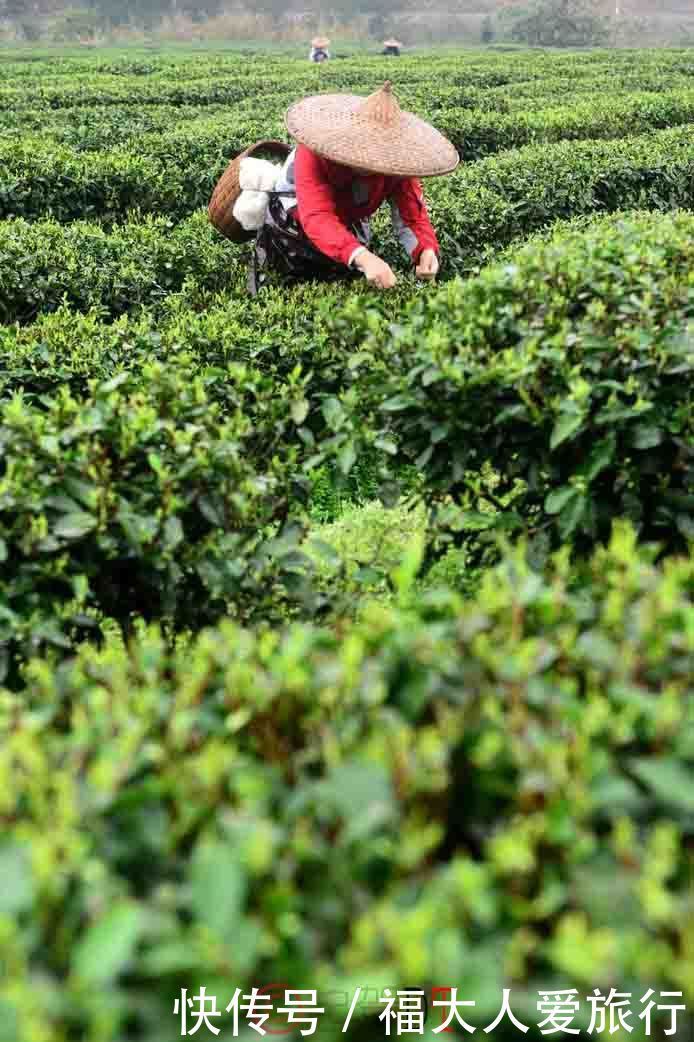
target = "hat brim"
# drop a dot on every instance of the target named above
(333, 126)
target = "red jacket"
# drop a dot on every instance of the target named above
(331, 197)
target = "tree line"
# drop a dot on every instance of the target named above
(543, 23)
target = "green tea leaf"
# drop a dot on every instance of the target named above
(74, 525)
(218, 888)
(670, 782)
(565, 427)
(108, 944)
(299, 411)
(557, 500)
(16, 889)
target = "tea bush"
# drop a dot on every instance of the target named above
(565, 369)
(275, 331)
(345, 639)
(44, 264)
(146, 499)
(586, 386)
(180, 167)
(478, 134)
(477, 211)
(490, 203)
(443, 792)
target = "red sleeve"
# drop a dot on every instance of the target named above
(410, 218)
(318, 210)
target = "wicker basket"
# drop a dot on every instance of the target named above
(228, 190)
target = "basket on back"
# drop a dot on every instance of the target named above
(228, 189)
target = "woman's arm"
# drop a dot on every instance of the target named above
(317, 208)
(411, 220)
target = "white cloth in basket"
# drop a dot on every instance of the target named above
(257, 177)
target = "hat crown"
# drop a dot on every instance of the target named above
(381, 107)
(371, 134)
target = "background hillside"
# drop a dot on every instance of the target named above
(624, 22)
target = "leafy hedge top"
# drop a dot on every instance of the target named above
(566, 370)
(484, 793)
(549, 393)
(481, 208)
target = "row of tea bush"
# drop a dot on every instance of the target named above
(476, 211)
(484, 794)
(562, 372)
(477, 129)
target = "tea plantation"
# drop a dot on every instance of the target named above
(346, 640)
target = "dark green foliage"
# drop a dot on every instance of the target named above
(174, 171)
(567, 370)
(477, 133)
(43, 264)
(561, 23)
(563, 370)
(146, 499)
(490, 203)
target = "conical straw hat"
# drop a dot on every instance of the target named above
(371, 134)
(320, 41)
(392, 43)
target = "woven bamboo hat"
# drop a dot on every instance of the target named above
(320, 41)
(371, 134)
(392, 43)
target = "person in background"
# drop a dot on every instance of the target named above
(319, 49)
(353, 154)
(391, 48)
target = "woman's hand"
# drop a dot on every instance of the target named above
(428, 265)
(377, 272)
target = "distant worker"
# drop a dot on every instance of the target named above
(319, 49)
(352, 154)
(392, 48)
